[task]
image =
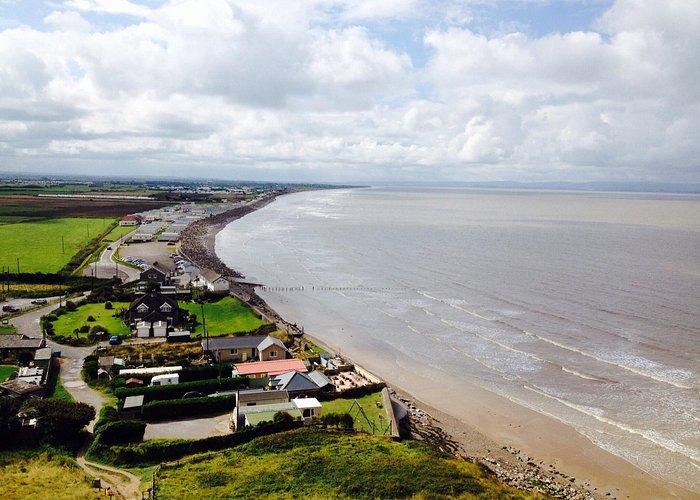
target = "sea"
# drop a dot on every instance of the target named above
(583, 306)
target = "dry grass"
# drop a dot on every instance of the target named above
(43, 476)
(156, 354)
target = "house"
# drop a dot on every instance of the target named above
(259, 369)
(255, 397)
(246, 347)
(130, 220)
(22, 389)
(153, 275)
(132, 407)
(212, 281)
(305, 409)
(18, 347)
(299, 383)
(154, 307)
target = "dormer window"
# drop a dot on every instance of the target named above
(142, 308)
(166, 308)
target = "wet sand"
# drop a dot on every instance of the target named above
(489, 428)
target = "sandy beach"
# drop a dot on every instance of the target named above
(515, 442)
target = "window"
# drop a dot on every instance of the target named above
(273, 354)
(142, 308)
(234, 351)
(152, 276)
(166, 307)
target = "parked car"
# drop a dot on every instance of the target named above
(39, 301)
(10, 308)
(193, 394)
(115, 340)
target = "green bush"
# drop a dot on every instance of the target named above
(108, 305)
(181, 408)
(70, 306)
(91, 318)
(176, 391)
(108, 414)
(155, 451)
(122, 432)
(355, 392)
(84, 329)
(98, 329)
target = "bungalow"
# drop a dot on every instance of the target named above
(298, 383)
(18, 347)
(212, 281)
(261, 369)
(255, 397)
(305, 409)
(130, 220)
(246, 347)
(22, 389)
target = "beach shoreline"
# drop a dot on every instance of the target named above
(518, 444)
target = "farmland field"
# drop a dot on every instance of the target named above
(46, 245)
(66, 323)
(312, 464)
(224, 317)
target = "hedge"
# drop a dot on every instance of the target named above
(122, 432)
(355, 392)
(176, 391)
(182, 408)
(108, 414)
(156, 451)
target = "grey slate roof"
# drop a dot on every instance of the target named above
(18, 341)
(320, 378)
(294, 382)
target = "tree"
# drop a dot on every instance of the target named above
(59, 421)
(346, 422)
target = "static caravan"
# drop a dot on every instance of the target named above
(166, 379)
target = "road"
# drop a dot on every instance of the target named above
(107, 268)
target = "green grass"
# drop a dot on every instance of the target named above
(5, 330)
(371, 410)
(6, 371)
(38, 244)
(224, 317)
(55, 389)
(42, 475)
(66, 323)
(117, 233)
(314, 464)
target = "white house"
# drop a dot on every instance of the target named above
(213, 281)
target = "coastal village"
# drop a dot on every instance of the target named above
(174, 344)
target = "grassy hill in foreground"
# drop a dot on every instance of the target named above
(316, 464)
(41, 475)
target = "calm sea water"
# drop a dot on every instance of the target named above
(582, 306)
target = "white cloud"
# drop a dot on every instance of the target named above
(311, 87)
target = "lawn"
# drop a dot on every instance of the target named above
(46, 245)
(117, 233)
(55, 387)
(67, 323)
(224, 317)
(40, 475)
(313, 464)
(6, 371)
(368, 404)
(5, 330)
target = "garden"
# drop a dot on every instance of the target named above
(86, 323)
(224, 316)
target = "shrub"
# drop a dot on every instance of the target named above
(108, 414)
(355, 392)
(70, 306)
(50, 317)
(122, 432)
(98, 329)
(91, 318)
(179, 408)
(108, 305)
(84, 329)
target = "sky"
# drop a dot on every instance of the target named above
(353, 90)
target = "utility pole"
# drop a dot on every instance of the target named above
(63, 245)
(17, 265)
(204, 327)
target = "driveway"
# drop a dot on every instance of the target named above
(192, 428)
(107, 268)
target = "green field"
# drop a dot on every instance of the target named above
(46, 245)
(368, 404)
(40, 475)
(67, 323)
(6, 371)
(224, 317)
(313, 464)
(118, 232)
